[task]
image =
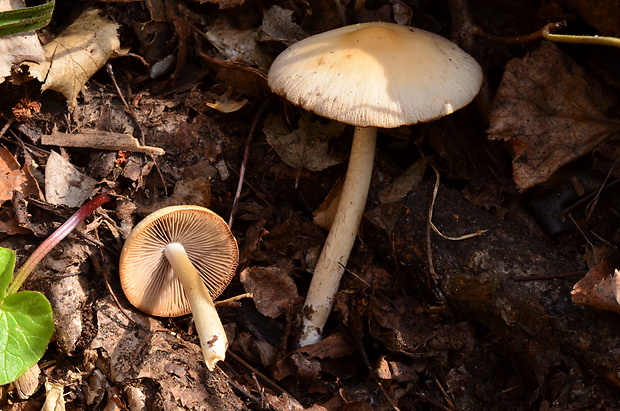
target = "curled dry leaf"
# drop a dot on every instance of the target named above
(550, 112)
(76, 54)
(599, 288)
(307, 146)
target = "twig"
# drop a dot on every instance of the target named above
(231, 300)
(430, 216)
(538, 34)
(266, 380)
(590, 208)
(246, 155)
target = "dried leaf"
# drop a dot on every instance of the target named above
(64, 184)
(76, 54)
(54, 397)
(9, 223)
(324, 215)
(278, 25)
(333, 346)
(406, 182)
(307, 146)
(272, 288)
(551, 112)
(599, 288)
(224, 4)
(12, 177)
(17, 48)
(235, 44)
(603, 15)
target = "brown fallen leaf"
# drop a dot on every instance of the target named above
(308, 145)
(551, 112)
(599, 288)
(273, 289)
(14, 177)
(603, 15)
(76, 54)
(279, 25)
(235, 44)
(64, 184)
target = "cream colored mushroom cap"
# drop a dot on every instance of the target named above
(146, 276)
(376, 74)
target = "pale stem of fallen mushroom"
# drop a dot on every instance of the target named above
(342, 234)
(208, 325)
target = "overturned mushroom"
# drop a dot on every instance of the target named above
(368, 75)
(176, 261)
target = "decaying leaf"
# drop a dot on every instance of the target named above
(599, 288)
(307, 146)
(54, 397)
(603, 15)
(14, 177)
(278, 25)
(403, 184)
(225, 104)
(273, 289)
(551, 113)
(76, 54)
(235, 44)
(64, 184)
(18, 48)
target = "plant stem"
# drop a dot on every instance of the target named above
(570, 38)
(208, 324)
(51, 241)
(342, 234)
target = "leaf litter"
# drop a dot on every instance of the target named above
(392, 342)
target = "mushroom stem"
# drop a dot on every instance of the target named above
(208, 325)
(342, 234)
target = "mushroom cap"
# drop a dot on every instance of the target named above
(376, 75)
(146, 275)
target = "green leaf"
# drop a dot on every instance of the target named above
(25, 19)
(26, 327)
(7, 263)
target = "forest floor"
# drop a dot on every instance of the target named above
(421, 322)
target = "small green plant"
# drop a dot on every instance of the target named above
(26, 323)
(25, 19)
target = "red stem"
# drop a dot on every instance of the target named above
(56, 237)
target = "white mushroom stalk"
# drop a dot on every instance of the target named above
(175, 262)
(210, 330)
(337, 248)
(367, 75)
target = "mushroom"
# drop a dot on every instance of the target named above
(368, 75)
(176, 261)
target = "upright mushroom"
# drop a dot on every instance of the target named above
(176, 261)
(368, 75)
